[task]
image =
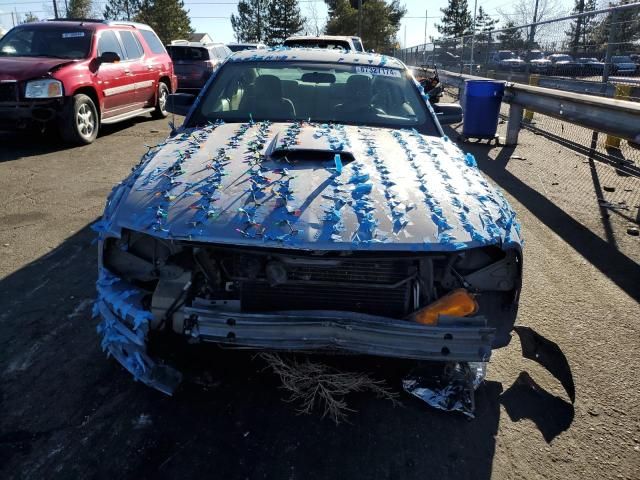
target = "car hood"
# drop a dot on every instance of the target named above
(541, 60)
(281, 185)
(512, 60)
(25, 68)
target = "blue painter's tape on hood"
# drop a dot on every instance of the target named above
(279, 185)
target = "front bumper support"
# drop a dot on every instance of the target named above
(454, 339)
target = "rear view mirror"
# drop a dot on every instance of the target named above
(180, 103)
(317, 77)
(109, 57)
(448, 113)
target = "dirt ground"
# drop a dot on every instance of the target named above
(69, 412)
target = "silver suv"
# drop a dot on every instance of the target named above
(326, 41)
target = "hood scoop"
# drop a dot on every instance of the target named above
(308, 155)
(310, 143)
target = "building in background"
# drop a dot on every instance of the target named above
(201, 38)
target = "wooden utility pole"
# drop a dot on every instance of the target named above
(55, 9)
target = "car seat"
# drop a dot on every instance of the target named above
(267, 100)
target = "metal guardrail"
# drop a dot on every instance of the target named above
(620, 118)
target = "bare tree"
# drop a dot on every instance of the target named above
(522, 11)
(314, 24)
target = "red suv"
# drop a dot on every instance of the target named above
(81, 74)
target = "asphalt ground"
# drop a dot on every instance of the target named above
(69, 412)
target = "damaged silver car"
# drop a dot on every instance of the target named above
(310, 201)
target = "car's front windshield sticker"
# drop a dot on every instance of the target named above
(371, 70)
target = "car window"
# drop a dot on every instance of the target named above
(132, 47)
(239, 48)
(109, 43)
(319, 43)
(361, 95)
(357, 44)
(188, 53)
(43, 41)
(621, 59)
(154, 43)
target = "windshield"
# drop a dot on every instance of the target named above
(536, 55)
(239, 47)
(588, 60)
(187, 53)
(355, 94)
(319, 43)
(562, 58)
(621, 59)
(506, 55)
(38, 41)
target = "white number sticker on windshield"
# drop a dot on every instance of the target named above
(73, 35)
(371, 70)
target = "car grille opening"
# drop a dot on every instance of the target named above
(8, 91)
(377, 287)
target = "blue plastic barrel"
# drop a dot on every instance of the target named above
(482, 100)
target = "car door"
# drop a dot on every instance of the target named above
(118, 90)
(142, 77)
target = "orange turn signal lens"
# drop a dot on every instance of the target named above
(458, 303)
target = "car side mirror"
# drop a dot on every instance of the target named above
(180, 103)
(448, 113)
(109, 57)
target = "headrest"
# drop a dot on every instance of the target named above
(268, 85)
(358, 83)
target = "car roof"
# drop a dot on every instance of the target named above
(195, 44)
(320, 55)
(248, 44)
(87, 23)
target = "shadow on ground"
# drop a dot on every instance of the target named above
(604, 255)
(69, 412)
(32, 142)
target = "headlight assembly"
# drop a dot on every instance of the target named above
(47, 88)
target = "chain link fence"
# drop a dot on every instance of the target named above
(595, 53)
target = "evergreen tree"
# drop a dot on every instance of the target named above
(581, 28)
(484, 22)
(511, 37)
(380, 22)
(168, 18)
(121, 9)
(284, 20)
(80, 9)
(626, 25)
(456, 19)
(484, 25)
(250, 25)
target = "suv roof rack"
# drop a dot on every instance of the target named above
(81, 20)
(129, 24)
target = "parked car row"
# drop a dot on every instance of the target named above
(561, 63)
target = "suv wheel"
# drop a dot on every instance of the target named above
(161, 103)
(80, 121)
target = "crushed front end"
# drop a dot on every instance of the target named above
(357, 302)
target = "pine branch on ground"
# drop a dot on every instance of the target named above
(318, 385)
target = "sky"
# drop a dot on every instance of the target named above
(212, 16)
